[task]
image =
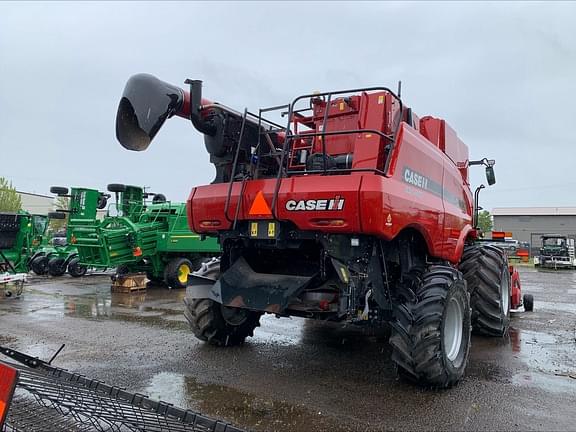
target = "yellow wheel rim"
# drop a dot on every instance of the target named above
(183, 272)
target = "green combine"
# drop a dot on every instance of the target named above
(141, 235)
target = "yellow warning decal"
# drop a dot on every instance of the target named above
(254, 229)
(271, 229)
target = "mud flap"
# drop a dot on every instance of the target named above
(242, 287)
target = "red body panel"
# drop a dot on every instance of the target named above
(425, 187)
(516, 292)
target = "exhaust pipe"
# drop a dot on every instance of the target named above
(147, 102)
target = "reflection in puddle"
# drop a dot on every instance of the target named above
(240, 408)
(552, 383)
(93, 300)
(550, 359)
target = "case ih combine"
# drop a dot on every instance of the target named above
(356, 210)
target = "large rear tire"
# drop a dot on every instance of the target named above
(485, 268)
(431, 328)
(56, 266)
(220, 325)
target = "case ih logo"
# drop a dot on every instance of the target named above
(415, 179)
(336, 203)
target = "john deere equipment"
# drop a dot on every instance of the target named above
(23, 240)
(356, 210)
(82, 210)
(140, 235)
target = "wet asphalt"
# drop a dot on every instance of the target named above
(299, 375)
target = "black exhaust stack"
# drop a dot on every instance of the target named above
(201, 125)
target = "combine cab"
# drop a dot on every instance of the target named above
(142, 236)
(356, 210)
(557, 251)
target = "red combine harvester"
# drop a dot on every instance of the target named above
(357, 210)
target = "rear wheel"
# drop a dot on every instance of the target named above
(431, 330)
(39, 265)
(56, 266)
(75, 269)
(485, 268)
(220, 325)
(177, 271)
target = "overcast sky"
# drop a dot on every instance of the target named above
(502, 74)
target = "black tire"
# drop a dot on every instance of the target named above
(39, 265)
(528, 302)
(177, 271)
(57, 215)
(485, 268)
(429, 304)
(208, 323)
(158, 199)
(56, 266)
(59, 190)
(116, 187)
(75, 269)
(102, 201)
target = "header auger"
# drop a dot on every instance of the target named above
(356, 210)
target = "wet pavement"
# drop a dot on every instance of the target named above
(298, 375)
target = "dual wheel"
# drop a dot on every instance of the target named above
(440, 306)
(436, 309)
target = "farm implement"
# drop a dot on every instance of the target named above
(138, 235)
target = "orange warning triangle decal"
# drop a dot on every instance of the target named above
(260, 206)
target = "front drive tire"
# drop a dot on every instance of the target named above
(220, 325)
(485, 268)
(431, 327)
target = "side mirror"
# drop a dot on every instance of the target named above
(490, 177)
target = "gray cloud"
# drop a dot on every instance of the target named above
(502, 74)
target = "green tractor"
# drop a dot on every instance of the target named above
(142, 235)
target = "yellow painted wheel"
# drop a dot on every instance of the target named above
(183, 272)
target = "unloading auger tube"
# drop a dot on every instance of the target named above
(148, 102)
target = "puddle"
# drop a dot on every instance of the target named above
(240, 408)
(526, 358)
(90, 298)
(551, 383)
